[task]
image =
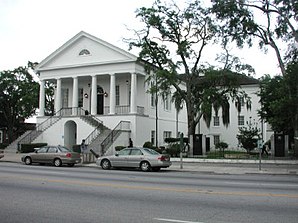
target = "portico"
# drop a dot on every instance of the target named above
(109, 95)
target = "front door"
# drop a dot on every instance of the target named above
(100, 97)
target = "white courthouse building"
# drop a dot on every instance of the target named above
(101, 95)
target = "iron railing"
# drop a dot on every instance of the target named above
(122, 126)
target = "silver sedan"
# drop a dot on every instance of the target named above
(57, 155)
(143, 158)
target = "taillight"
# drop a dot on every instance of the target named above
(162, 158)
(68, 155)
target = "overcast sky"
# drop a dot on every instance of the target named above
(30, 30)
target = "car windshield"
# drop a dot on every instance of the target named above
(151, 151)
(63, 149)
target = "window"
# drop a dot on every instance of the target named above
(167, 102)
(153, 137)
(52, 150)
(136, 152)
(216, 139)
(42, 150)
(215, 120)
(64, 98)
(240, 120)
(81, 92)
(117, 95)
(124, 152)
(153, 97)
(84, 52)
(166, 134)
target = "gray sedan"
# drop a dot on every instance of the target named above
(143, 158)
(57, 155)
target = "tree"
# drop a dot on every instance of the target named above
(264, 20)
(248, 136)
(278, 97)
(18, 96)
(171, 47)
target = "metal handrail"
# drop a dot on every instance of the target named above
(114, 134)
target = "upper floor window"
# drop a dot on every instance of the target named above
(84, 52)
(81, 91)
(167, 102)
(117, 95)
(215, 120)
(65, 98)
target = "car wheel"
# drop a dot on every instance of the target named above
(57, 162)
(106, 164)
(28, 160)
(145, 166)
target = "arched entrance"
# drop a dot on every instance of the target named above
(70, 134)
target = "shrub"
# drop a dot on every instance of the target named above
(174, 149)
(76, 148)
(29, 148)
(118, 148)
(148, 145)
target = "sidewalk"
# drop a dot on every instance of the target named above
(217, 166)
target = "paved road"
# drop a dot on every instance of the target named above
(49, 194)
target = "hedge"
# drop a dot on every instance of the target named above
(29, 148)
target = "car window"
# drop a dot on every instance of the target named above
(42, 150)
(135, 152)
(124, 152)
(151, 151)
(52, 150)
(63, 149)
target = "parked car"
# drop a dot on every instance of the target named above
(1, 153)
(57, 155)
(143, 158)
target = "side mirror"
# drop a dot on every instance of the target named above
(116, 154)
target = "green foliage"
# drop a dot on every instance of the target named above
(276, 19)
(173, 150)
(221, 145)
(248, 136)
(118, 148)
(29, 148)
(148, 145)
(76, 148)
(172, 42)
(18, 96)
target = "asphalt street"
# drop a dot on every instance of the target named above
(48, 194)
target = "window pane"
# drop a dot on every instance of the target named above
(216, 120)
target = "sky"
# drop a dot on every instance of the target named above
(30, 30)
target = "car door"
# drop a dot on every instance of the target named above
(51, 154)
(120, 158)
(135, 157)
(39, 155)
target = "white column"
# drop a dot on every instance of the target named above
(112, 93)
(58, 100)
(94, 95)
(75, 96)
(133, 90)
(41, 98)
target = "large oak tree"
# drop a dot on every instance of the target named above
(172, 45)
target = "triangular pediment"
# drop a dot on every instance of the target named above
(82, 50)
